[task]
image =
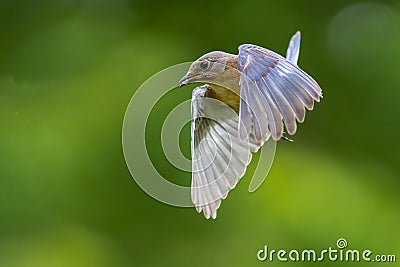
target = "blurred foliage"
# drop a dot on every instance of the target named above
(67, 71)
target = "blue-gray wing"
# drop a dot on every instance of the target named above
(274, 93)
(219, 156)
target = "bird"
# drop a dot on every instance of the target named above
(246, 100)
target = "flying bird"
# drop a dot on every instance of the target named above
(247, 99)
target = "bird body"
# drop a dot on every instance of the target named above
(229, 97)
(247, 99)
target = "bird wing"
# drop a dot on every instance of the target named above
(219, 156)
(273, 92)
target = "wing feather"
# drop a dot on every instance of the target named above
(293, 50)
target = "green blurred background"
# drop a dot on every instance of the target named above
(68, 69)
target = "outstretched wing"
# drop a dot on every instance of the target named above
(219, 156)
(274, 92)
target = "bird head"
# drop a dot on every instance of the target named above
(216, 67)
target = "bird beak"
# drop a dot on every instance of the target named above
(188, 78)
(184, 80)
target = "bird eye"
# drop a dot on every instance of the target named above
(205, 65)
